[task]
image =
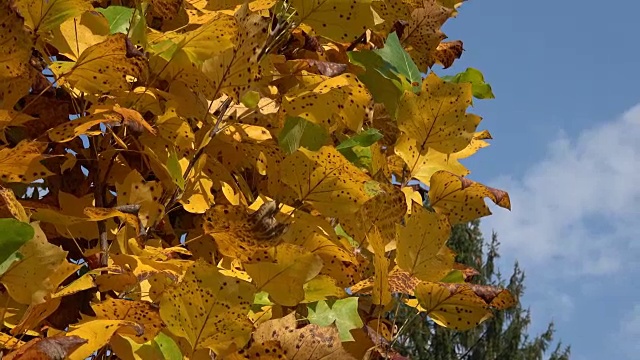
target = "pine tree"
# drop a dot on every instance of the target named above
(503, 337)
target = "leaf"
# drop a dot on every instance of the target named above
(400, 281)
(365, 138)
(299, 132)
(15, 74)
(53, 347)
(23, 162)
(343, 312)
(381, 291)
(27, 280)
(454, 306)
(43, 16)
(321, 287)
(78, 33)
(104, 67)
(82, 126)
(98, 333)
(421, 166)
(420, 245)
(13, 236)
(168, 347)
(480, 89)
(208, 309)
(461, 199)
(336, 102)
(447, 52)
(238, 70)
(119, 18)
(175, 170)
(284, 278)
(436, 118)
(14, 206)
(140, 312)
(337, 20)
(381, 80)
(394, 54)
(424, 34)
(310, 342)
(326, 180)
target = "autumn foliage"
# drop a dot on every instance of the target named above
(198, 178)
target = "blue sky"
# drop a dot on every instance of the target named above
(566, 127)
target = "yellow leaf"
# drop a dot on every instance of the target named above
(15, 74)
(134, 190)
(110, 65)
(254, 5)
(23, 162)
(127, 349)
(140, 312)
(454, 306)
(412, 197)
(43, 16)
(237, 70)
(424, 34)
(284, 278)
(239, 234)
(209, 309)
(326, 180)
(338, 20)
(461, 199)
(175, 128)
(27, 280)
(82, 283)
(399, 282)
(341, 101)
(310, 342)
(420, 243)
(15, 208)
(98, 333)
(383, 211)
(381, 291)
(422, 166)
(322, 287)
(76, 34)
(436, 118)
(9, 342)
(34, 315)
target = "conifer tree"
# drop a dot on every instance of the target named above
(502, 337)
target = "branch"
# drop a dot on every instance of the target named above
(216, 128)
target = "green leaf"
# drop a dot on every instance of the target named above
(481, 90)
(250, 99)
(262, 298)
(119, 18)
(167, 347)
(343, 312)
(380, 78)
(455, 276)
(175, 170)
(299, 132)
(13, 234)
(394, 54)
(340, 232)
(364, 139)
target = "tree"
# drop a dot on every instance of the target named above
(186, 178)
(504, 336)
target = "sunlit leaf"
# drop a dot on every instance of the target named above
(343, 312)
(208, 309)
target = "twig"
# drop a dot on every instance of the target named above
(177, 193)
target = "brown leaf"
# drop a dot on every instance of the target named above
(447, 52)
(310, 342)
(53, 348)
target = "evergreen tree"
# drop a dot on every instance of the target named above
(503, 337)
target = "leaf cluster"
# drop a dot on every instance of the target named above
(182, 178)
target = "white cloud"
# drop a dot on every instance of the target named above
(577, 210)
